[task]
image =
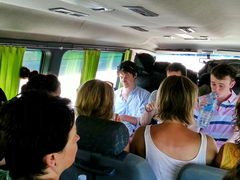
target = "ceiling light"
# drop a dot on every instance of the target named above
(185, 36)
(186, 29)
(169, 37)
(102, 9)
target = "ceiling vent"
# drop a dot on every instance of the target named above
(186, 29)
(68, 11)
(141, 10)
(138, 28)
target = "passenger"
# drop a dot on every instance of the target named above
(130, 100)
(220, 126)
(174, 69)
(229, 153)
(233, 174)
(95, 99)
(38, 136)
(170, 145)
(48, 83)
(23, 74)
(27, 77)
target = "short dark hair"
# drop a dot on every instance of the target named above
(128, 67)
(33, 125)
(222, 70)
(177, 67)
(24, 72)
(48, 83)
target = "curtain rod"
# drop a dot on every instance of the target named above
(65, 46)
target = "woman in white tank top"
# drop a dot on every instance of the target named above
(170, 145)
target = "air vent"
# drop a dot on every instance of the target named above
(141, 10)
(138, 28)
(186, 29)
(68, 11)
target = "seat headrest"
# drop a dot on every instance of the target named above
(101, 136)
(144, 61)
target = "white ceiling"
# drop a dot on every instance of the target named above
(217, 19)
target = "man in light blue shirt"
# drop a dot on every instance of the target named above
(130, 100)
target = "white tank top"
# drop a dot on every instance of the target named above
(165, 167)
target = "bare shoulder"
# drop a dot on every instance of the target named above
(137, 146)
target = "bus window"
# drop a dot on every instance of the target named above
(107, 67)
(32, 59)
(70, 73)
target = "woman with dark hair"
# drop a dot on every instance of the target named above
(38, 136)
(47, 83)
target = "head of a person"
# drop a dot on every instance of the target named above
(176, 69)
(127, 72)
(95, 99)
(222, 79)
(24, 72)
(234, 173)
(39, 135)
(47, 83)
(176, 99)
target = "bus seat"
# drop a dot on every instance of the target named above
(200, 172)
(151, 73)
(192, 76)
(236, 87)
(145, 61)
(101, 156)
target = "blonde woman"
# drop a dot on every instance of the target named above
(95, 99)
(170, 145)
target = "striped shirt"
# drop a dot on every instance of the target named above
(221, 126)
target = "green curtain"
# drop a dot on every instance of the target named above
(90, 64)
(10, 62)
(127, 55)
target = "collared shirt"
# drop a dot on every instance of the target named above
(133, 106)
(153, 96)
(221, 126)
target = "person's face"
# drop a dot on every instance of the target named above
(127, 79)
(66, 157)
(174, 73)
(222, 87)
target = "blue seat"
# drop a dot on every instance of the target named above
(200, 172)
(101, 156)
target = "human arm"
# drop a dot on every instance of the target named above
(147, 115)
(137, 145)
(131, 119)
(211, 150)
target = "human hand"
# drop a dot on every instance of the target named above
(150, 106)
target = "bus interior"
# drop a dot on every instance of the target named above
(56, 34)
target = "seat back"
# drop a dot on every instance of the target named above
(200, 172)
(100, 153)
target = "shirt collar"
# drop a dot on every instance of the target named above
(232, 97)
